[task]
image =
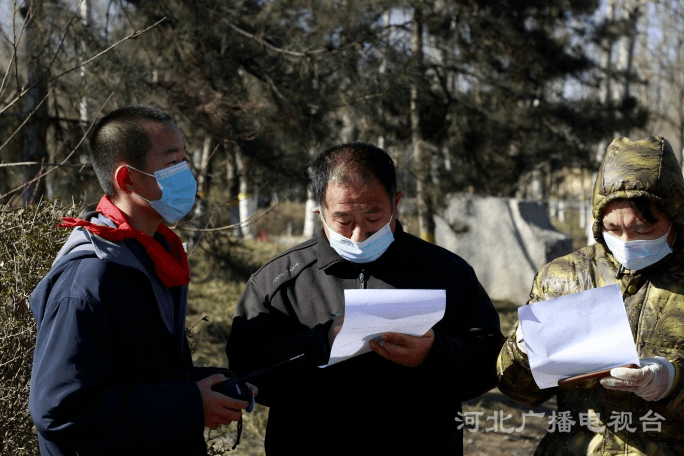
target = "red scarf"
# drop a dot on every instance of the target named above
(171, 266)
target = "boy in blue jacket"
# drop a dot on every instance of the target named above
(112, 372)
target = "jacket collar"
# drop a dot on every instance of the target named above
(81, 242)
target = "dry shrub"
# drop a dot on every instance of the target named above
(29, 241)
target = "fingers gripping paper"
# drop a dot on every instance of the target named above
(576, 334)
(369, 313)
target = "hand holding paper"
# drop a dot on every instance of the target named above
(409, 351)
(577, 334)
(369, 314)
(335, 329)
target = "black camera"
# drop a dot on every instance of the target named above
(237, 389)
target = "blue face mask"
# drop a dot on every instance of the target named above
(178, 187)
(361, 252)
(637, 255)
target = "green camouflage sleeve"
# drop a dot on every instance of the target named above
(565, 275)
(515, 376)
(513, 368)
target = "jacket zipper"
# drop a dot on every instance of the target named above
(362, 279)
(642, 306)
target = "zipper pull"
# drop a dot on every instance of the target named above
(362, 278)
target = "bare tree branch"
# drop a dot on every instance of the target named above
(274, 48)
(96, 56)
(129, 37)
(13, 57)
(18, 129)
(245, 222)
(43, 174)
(63, 165)
(61, 41)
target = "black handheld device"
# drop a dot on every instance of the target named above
(237, 387)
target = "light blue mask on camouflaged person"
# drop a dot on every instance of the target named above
(643, 168)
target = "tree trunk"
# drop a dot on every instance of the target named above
(606, 93)
(309, 215)
(35, 131)
(245, 198)
(200, 160)
(421, 156)
(628, 49)
(84, 14)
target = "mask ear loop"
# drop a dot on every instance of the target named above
(320, 216)
(143, 172)
(132, 167)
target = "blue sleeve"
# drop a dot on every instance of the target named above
(74, 400)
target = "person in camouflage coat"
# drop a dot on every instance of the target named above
(645, 415)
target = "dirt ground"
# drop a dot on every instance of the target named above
(493, 424)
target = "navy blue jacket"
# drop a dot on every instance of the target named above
(112, 372)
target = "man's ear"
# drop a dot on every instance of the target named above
(397, 197)
(122, 178)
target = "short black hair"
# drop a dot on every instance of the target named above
(121, 136)
(353, 162)
(645, 210)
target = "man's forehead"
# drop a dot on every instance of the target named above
(341, 208)
(367, 191)
(366, 209)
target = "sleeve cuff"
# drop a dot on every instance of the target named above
(676, 378)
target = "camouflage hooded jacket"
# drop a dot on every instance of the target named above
(608, 422)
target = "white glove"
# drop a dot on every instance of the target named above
(652, 381)
(519, 340)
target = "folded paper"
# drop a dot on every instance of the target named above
(369, 313)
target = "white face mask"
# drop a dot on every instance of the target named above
(637, 255)
(361, 252)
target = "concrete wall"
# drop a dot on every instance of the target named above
(505, 240)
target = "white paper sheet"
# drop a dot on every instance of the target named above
(577, 334)
(369, 313)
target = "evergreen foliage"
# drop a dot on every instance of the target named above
(506, 87)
